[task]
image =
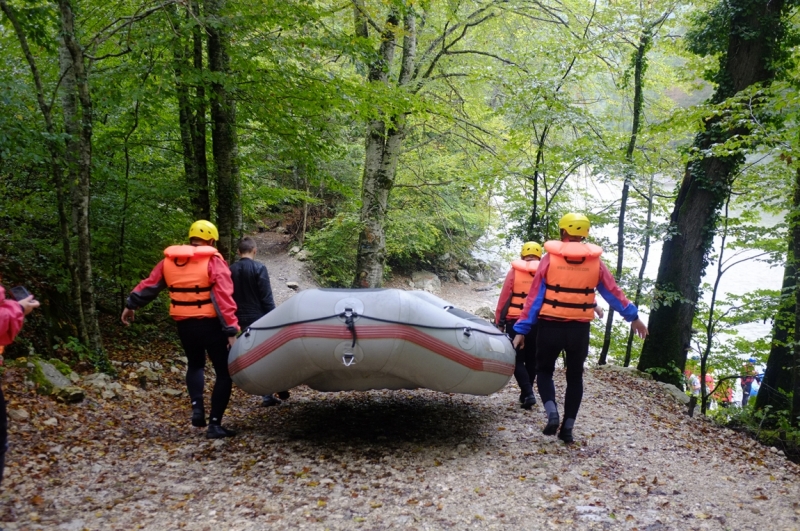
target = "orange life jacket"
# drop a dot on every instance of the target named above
(524, 271)
(571, 279)
(186, 275)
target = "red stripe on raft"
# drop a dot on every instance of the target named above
(406, 333)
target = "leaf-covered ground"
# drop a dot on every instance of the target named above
(387, 460)
(379, 460)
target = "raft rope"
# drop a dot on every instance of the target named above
(349, 316)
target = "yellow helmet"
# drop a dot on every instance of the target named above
(531, 248)
(575, 224)
(205, 230)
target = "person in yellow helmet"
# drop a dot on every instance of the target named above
(509, 307)
(202, 305)
(561, 302)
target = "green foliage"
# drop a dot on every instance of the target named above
(332, 249)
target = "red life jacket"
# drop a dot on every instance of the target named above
(570, 282)
(524, 271)
(186, 275)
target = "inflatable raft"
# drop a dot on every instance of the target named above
(355, 340)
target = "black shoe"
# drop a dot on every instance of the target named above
(215, 431)
(566, 435)
(529, 402)
(270, 400)
(552, 424)
(198, 417)
(522, 397)
(283, 395)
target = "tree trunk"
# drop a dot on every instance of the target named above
(638, 82)
(223, 123)
(754, 31)
(56, 162)
(181, 67)
(82, 175)
(795, 229)
(199, 120)
(382, 151)
(778, 375)
(640, 281)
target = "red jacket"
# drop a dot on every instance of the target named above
(11, 318)
(221, 289)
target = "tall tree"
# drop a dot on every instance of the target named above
(56, 164)
(748, 35)
(223, 128)
(78, 120)
(187, 55)
(639, 69)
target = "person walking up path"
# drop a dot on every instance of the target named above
(202, 305)
(562, 302)
(253, 294)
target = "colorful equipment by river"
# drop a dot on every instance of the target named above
(355, 340)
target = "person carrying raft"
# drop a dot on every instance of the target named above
(202, 305)
(509, 307)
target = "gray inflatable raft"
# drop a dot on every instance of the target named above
(355, 340)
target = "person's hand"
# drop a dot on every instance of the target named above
(519, 341)
(127, 316)
(500, 326)
(599, 311)
(231, 341)
(639, 328)
(28, 304)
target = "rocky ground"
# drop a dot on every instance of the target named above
(380, 459)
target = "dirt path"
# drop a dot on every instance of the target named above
(385, 460)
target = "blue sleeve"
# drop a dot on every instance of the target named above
(625, 308)
(526, 322)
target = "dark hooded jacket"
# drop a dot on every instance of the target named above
(251, 291)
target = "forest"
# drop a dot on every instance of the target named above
(388, 135)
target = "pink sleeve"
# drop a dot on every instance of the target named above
(505, 296)
(11, 318)
(220, 276)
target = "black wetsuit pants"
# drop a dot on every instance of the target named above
(552, 338)
(198, 337)
(525, 362)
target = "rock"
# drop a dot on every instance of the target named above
(71, 394)
(463, 276)
(52, 421)
(98, 379)
(294, 250)
(173, 392)
(293, 285)
(485, 312)
(53, 376)
(480, 276)
(302, 255)
(427, 281)
(633, 371)
(182, 359)
(280, 230)
(18, 415)
(108, 394)
(149, 375)
(74, 377)
(675, 392)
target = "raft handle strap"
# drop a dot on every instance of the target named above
(349, 314)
